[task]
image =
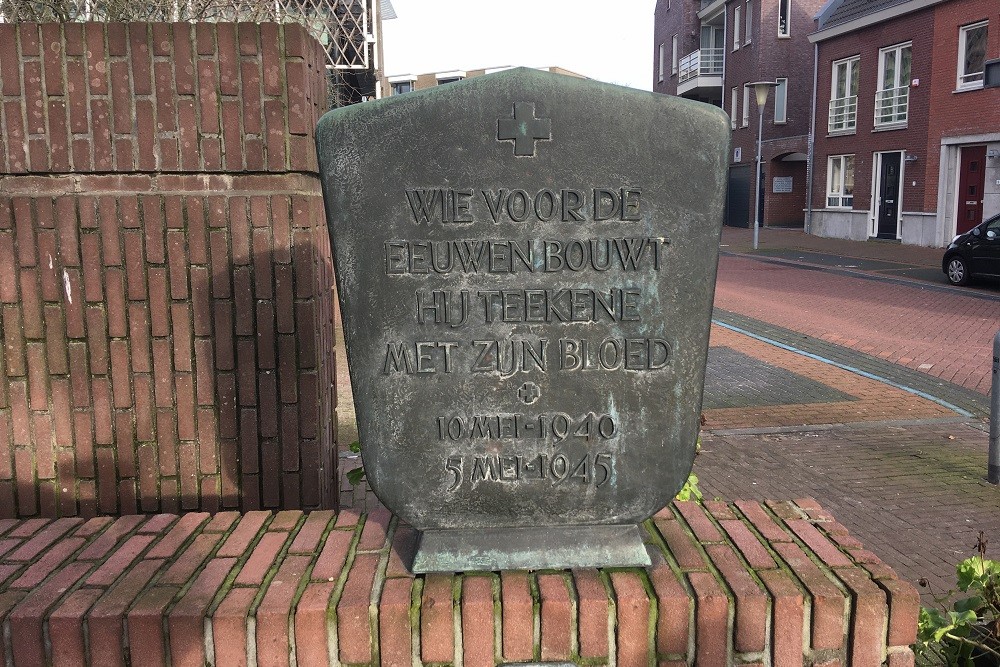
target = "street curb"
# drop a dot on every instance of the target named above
(805, 428)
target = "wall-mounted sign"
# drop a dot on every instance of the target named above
(781, 184)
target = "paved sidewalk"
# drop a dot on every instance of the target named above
(785, 242)
(913, 494)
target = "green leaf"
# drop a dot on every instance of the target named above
(970, 572)
(355, 447)
(690, 490)
(355, 476)
(973, 604)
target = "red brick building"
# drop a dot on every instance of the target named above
(907, 138)
(708, 51)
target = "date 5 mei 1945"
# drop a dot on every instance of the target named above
(555, 469)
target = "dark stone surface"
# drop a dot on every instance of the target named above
(476, 276)
(735, 380)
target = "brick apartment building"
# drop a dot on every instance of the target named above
(404, 83)
(907, 137)
(708, 50)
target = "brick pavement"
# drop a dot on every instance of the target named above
(942, 333)
(914, 494)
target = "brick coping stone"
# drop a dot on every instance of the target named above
(742, 583)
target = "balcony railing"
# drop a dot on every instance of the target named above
(892, 106)
(703, 62)
(843, 113)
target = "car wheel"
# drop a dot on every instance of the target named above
(958, 271)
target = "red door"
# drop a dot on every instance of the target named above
(971, 182)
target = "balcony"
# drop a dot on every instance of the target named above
(699, 71)
(843, 114)
(703, 62)
(892, 106)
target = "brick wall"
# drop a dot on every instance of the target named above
(731, 584)
(917, 28)
(165, 280)
(972, 112)
(673, 17)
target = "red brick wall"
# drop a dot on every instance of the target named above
(673, 17)
(918, 28)
(168, 340)
(969, 112)
(785, 208)
(738, 584)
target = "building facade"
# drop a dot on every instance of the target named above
(398, 84)
(710, 51)
(907, 136)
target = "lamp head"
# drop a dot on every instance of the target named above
(760, 88)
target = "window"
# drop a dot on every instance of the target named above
(746, 105)
(673, 54)
(736, 27)
(840, 181)
(733, 101)
(844, 95)
(450, 79)
(659, 69)
(892, 100)
(400, 87)
(781, 101)
(784, 18)
(972, 55)
(749, 25)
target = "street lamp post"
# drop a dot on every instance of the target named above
(760, 89)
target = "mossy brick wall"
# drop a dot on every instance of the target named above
(731, 584)
(165, 277)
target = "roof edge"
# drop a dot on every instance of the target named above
(871, 19)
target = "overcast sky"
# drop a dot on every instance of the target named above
(608, 40)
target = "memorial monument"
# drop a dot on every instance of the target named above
(526, 264)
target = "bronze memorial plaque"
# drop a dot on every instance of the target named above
(526, 264)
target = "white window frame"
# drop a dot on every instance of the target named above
(786, 30)
(748, 28)
(962, 82)
(736, 27)
(851, 118)
(746, 106)
(673, 55)
(734, 96)
(401, 78)
(661, 58)
(781, 90)
(899, 85)
(835, 196)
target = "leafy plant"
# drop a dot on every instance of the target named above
(690, 490)
(355, 476)
(968, 634)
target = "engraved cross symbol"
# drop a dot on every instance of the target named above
(524, 129)
(529, 393)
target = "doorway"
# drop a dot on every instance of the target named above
(888, 189)
(738, 196)
(971, 184)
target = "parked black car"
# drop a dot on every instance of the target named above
(974, 253)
